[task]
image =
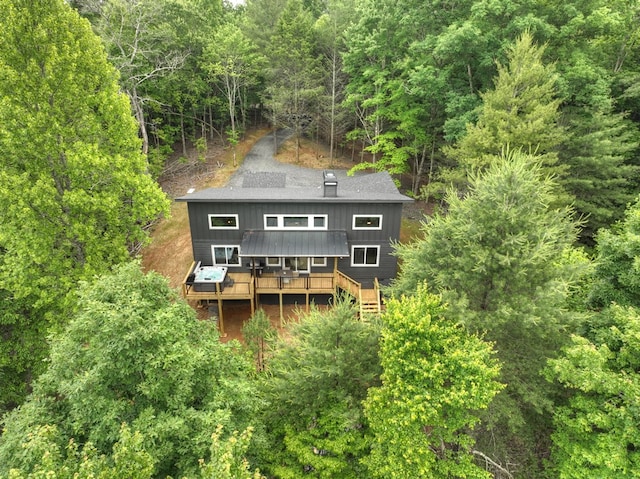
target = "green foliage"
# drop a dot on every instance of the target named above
(597, 434)
(227, 457)
(315, 383)
(74, 192)
(233, 62)
(436, 378)
(503, 259)
(133, 353)
(127, 461)
(600, 154)
(521, 112)
(259, 335)
(617, 266)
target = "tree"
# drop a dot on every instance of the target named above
(596, 432)
(616, 277)
(503, 259)
(233, 62)
(436, 377)
(140, 43)
(521, 112)
(330, 29)
(128, 460)
(600, 155)
(314, 386)
(259, 334)
(293, 91)
(227, 457)
(133, 353)
(74, 193)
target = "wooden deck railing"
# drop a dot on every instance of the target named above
(304, 283)
(246, 286)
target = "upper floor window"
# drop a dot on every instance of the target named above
(223, 222)
(299, 222)
(365, 255)
(367, 222)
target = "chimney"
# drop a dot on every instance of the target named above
(330, 184)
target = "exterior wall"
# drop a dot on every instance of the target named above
(340, 217)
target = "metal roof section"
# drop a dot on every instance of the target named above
(278, 187)
(259, 243)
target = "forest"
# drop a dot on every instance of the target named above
(507, 348)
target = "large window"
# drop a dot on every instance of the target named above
(367, 222)
(295, 222)
(365, 255)
(300, 264)
(223, 222)
(226, 255)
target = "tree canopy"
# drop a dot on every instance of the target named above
(134, 354)
(74, 190)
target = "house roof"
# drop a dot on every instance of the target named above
(278, 187)
(294, 243)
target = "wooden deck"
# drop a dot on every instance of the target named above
(244, 286)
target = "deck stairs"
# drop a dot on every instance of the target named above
(369, 300)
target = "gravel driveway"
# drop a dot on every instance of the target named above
(261, 159)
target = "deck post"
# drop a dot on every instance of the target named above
(281, 311)
(220, 315)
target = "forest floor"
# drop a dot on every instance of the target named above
(169, 252)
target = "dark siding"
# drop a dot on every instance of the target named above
(340, 216)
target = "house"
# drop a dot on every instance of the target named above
(273, 234)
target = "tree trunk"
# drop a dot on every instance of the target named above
(136, 104)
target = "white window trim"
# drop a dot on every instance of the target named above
(323, 261)
(230, 265)
(310, 217)
(364, 265)
(353, 223)
(307, 270)
(274, 264)
(237, 225)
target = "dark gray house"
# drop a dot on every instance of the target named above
(270, 234)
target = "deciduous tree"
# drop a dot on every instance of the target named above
(74, 193)
(596, 432)
(134, 353)
(436, 377)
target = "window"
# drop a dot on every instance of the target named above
(226, 255)
(299, 222)
(223, 222)
(273, 262)
(295, 221)
(365, 255)
(297, 264)
(367, 222)
(318, 261)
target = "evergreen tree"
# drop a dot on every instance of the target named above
(314, 388)
(503, 260)
(521, 112)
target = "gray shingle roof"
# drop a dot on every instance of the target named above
(269, 186)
